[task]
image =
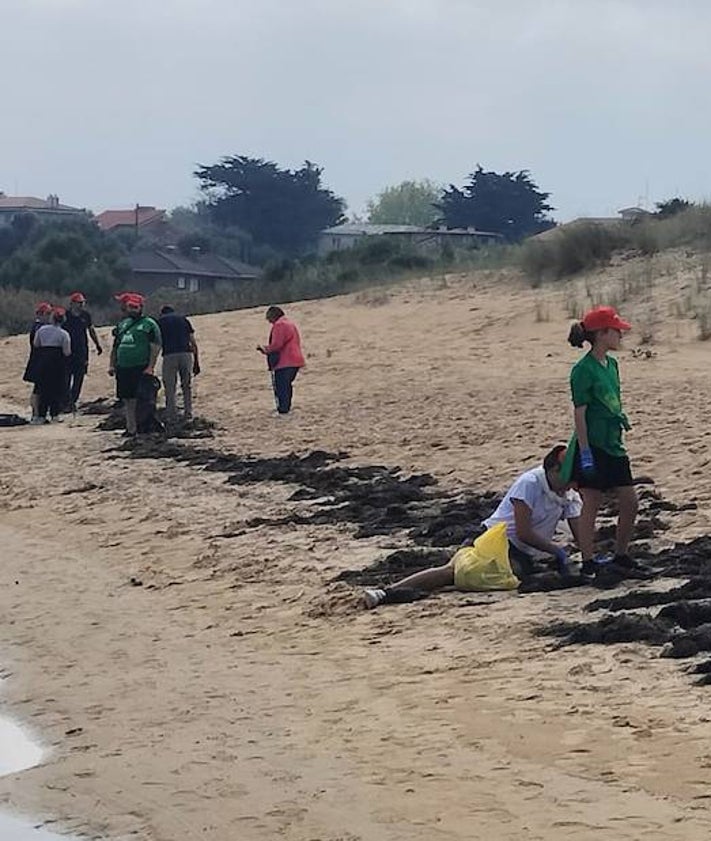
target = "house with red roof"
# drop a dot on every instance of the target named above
(142, 219)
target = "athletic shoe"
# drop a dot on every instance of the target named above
(372, 597)
(601, 572)
(38, 421)
(587, 570)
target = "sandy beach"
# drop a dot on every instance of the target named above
(193, 685)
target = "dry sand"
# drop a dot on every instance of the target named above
(237, 694)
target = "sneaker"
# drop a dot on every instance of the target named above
(38, 421)
(587, 570)
(607, 576)
(601, 572)
(372, 597)
(633, 569)
(57, 419)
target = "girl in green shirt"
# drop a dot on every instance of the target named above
(599, 461)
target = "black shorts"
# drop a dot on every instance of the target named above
(610, 471)
(127, 380)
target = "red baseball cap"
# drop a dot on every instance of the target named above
(77, 298)
(604, 318)
(43, 308)
(59, 311)
(133, 299)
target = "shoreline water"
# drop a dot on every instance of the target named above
(20, 752)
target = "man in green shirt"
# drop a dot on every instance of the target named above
(137, 343)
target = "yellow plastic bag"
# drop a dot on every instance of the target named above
(485, 565)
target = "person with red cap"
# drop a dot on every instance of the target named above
(43, 315)
(54, 347)
(80, 327)
(137, 343)
(598, 461)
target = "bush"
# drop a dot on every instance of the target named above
(579, 246)
(569, 250)
(410, 261)
(373, 250)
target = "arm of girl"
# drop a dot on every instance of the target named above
(587, 462)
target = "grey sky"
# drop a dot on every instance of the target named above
(112, 102)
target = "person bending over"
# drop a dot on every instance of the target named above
(532, 509)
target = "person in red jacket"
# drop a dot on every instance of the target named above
(284, 356)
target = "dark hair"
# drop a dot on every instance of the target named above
(553, 459)
(166, 309)
(578, 335)
(274, 312)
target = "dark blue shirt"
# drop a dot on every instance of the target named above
(77, 326)
(175, 331)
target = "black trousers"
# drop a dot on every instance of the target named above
(284, 388)
(51, 381)
(76, 381)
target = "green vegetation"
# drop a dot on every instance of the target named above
(508, 203)
(580, 246)
(279, 208)
(60, 257)
(407, 203)
(373, 262)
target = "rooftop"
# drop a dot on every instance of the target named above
(107, 220)
(198, 264)
(30, 203)
(368, 229)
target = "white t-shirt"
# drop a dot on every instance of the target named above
(52, 335)
(547, 508)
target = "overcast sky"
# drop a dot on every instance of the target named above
(113, 102)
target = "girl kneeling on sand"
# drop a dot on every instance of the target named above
(597, 459)
(532, 509)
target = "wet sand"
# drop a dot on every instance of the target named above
(196, 685)
(18, 752)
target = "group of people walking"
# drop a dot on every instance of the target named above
(568, 486)
(59, 357)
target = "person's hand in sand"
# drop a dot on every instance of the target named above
(532, 509)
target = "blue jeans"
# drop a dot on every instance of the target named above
(284, 388)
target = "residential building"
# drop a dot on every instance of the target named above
(49, 208)
(423, 239)
(169, 268)
(140, 219)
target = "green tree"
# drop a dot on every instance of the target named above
(280, 208)
(62, 256)
(407, 203)
(508, 203)
(671, 207)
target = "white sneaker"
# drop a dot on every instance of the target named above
(372, 597)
